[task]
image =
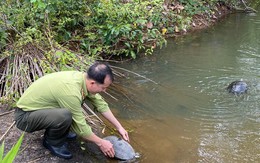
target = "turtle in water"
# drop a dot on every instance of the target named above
(123, 150)
(237, 87)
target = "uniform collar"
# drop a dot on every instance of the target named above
(84, 86)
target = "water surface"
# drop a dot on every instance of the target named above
(189, 116)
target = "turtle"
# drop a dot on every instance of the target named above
(237, 87)
(123, 150)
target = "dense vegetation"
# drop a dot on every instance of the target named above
(42, 36)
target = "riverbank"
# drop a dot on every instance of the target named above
(200, 22)
(32, 151)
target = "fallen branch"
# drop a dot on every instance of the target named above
(134, 73)
(247, 8)
(7, 113)
(7, 131)
(110, 95)
(91, 111)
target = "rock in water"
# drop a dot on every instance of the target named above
(123, 150)
(237, 87)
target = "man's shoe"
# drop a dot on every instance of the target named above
(71, 136)
(61, 151)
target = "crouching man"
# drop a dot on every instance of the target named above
(53, 102)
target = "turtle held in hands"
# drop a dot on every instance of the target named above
(237, 87)
(123, 150)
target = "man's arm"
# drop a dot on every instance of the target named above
(112, 119)
(100, 104)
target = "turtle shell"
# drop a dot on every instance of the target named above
(123, 150)
(237, 87)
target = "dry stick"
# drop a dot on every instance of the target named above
(2, 59)
(20, 86)
(27, 145)
(31, 66)
(7, 131)
(7, 71)
(14, 78)
(122, 92)
(3, 74)
(117, 73)
(38, 71)
(91, 111)
(110, 95)
(127, 97)
(37, 159)
(135, 74)
(18, 76)
(247, 7)
(2, 83)
(91, 121)
(27, 76)
(13, 74)
(20, 83)
(6, 113)
(31, 70)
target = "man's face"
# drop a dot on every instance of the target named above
(96, 87)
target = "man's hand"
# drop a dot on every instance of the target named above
(109, 116)
(107, 148)
(123, 133)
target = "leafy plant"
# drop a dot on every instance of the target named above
(10, 156)
(43, 36)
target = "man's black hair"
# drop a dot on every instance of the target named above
(98, 72)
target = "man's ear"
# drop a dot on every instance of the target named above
(92, 82)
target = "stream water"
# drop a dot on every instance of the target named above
(188, 116)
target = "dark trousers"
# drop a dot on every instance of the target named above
(56, 123)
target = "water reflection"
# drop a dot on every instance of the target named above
(189, 116)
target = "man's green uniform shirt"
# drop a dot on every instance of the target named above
(65, 89)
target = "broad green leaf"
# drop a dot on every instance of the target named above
(133, 55)
(42, 5)
(10, 156)
(2, 151)
(127, 44)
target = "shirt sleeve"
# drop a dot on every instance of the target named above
(79, 124)
(98, 102)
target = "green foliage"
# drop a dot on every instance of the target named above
(3, 38)
(43, 36)
(104, 27)
(2, 151)
(10, 156)
(120, 28)
(195, 7)
(100, 27)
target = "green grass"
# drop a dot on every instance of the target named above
(10, 156)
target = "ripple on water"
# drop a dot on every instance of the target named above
(229, 124)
